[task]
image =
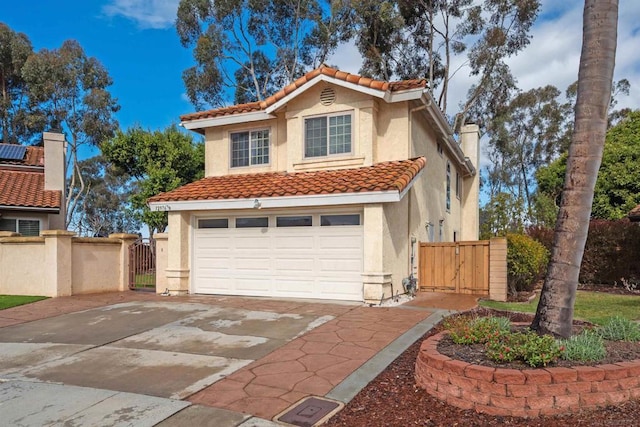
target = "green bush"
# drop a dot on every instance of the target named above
(588, 346)
(526, 262)
(531, 348)
(618, 328)
(476, 330)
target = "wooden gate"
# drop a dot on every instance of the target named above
(142, 264)
(459, 267)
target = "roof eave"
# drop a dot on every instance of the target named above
(446, 133)
(388, 196)
(199, 124)
(30, 209)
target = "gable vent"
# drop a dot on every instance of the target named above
(327, 96)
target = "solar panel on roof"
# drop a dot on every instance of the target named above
(12, 151)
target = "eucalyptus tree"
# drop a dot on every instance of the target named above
(554, 314)
(252, 48)
(437, 39)
(71, 90)
(18, 122)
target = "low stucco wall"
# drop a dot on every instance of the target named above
(22, 266)
(58, 264)
(96, 265)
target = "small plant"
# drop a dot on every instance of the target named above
(618, 328)
(533, 349)
(588, 346)
(476, 330)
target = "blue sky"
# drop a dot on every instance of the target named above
(137, 43)
(145, 63)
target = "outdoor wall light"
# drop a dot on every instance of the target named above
(257, 204)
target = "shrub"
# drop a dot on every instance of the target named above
(526, 261)
(531, 348)
(476, 330)
(611, 252)
(618, 328)
(588, 346)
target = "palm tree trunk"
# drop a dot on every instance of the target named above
(555, 309)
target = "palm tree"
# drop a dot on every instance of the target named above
(555, 309)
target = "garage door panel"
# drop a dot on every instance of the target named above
(294, 286)
(255, 242)
(340, 265)
(297, 242)
(306, 262)
(254, 284)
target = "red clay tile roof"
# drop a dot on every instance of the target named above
(34, 156)
(395, 175)
(634, 215)
(26, 189)
(322, 70)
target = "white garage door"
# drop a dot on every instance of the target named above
(303, 256)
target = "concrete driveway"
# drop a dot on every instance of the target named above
(154, 348)
(137, 359)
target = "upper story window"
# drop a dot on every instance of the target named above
(249, 148)
(327, 135)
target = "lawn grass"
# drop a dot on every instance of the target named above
(145, 280)
(8, 301)
(594, 307)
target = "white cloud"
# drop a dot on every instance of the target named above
(153, 14)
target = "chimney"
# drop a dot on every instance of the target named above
(470, 144)
(54, 179)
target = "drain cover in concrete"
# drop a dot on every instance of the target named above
(310, 411)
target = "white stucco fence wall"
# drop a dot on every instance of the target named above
(59, 264)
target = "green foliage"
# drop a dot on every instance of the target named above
(500, 216)
(158, 161)
(618, 185)
(256, 47)
(618, 328)
(18, 122)
(105, 209)
(531, 348)
(611, 253)
(588, 346)
(470, 330)
(70, 89)
(526, 261)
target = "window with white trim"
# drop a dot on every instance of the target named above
(249, 148)
(26, 227)
(328, 135)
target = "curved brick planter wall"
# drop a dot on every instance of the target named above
(527, 392)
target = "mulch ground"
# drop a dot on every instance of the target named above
(393, 399)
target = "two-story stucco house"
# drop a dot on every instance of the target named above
(321, 191)
(32, 186)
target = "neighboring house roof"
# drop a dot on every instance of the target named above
(26, 189)
(634, 215)
(302, 81)
(388, 178)
(22, 183)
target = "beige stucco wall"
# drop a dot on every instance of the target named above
(22, 265)
(96, 266)
(381, 132)
(58, 264)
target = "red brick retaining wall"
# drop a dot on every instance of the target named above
(527, 392)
